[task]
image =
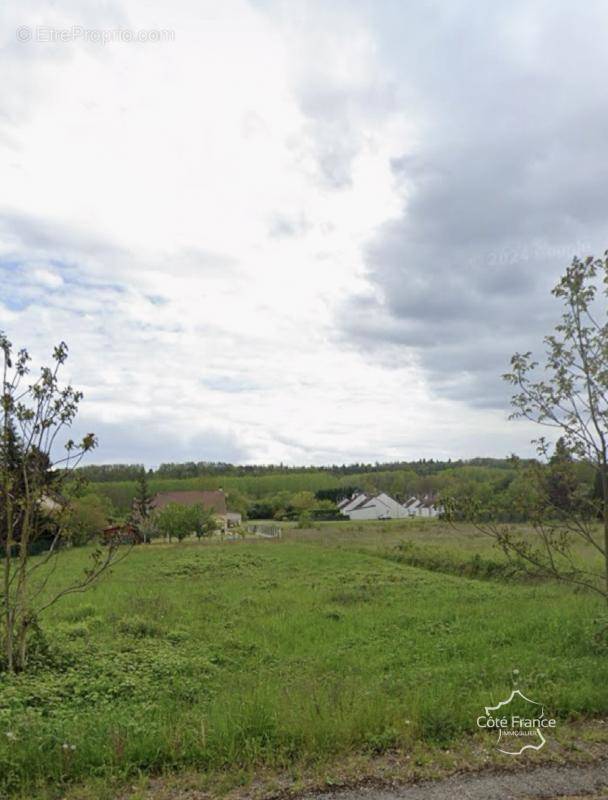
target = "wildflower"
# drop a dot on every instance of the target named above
(11, 735)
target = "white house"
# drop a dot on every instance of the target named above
(382, 506)
(412, 505)
(415, 507)
(349, 503)
(379, 506)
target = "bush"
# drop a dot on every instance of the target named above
(304, 520)
(177, 636)
(140, 628)
(74, 630)
(83, 612)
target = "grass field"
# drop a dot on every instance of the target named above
(280, 654)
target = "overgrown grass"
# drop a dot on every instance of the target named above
(242, 655)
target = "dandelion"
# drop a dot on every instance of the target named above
(11, 735)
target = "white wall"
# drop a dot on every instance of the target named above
(413, 509)
(395, 509)
(380, 507)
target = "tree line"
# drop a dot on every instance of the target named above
(99, 473)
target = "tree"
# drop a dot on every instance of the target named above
(303, 501)
(148, 528)
(32, 475)
(206, 523)
(85, 518)
(175, 520)
(569, 395)
(142, 503)
(239, 502)
(561, 480)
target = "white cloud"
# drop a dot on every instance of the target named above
(179, 211)
(47, 278)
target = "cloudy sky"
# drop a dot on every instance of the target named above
(296, 231)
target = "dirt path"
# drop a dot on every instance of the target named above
(548, 782)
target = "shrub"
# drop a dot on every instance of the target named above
(177, 636)
(81, 613)
(139, 628)
(74, 630)
(304, 520)
(600, 635)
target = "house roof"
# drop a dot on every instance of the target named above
(354, 502)
(213, 501)
(361, 501)
(368, 501)
(375, 500)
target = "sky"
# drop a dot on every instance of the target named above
(301, 232)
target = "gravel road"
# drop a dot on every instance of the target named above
(542, 782)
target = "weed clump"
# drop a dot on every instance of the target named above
(140, 628)
(477, 566)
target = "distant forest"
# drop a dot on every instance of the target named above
(278, 491)
(98, 473)
(281, 492)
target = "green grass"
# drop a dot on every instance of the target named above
(243, 655)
